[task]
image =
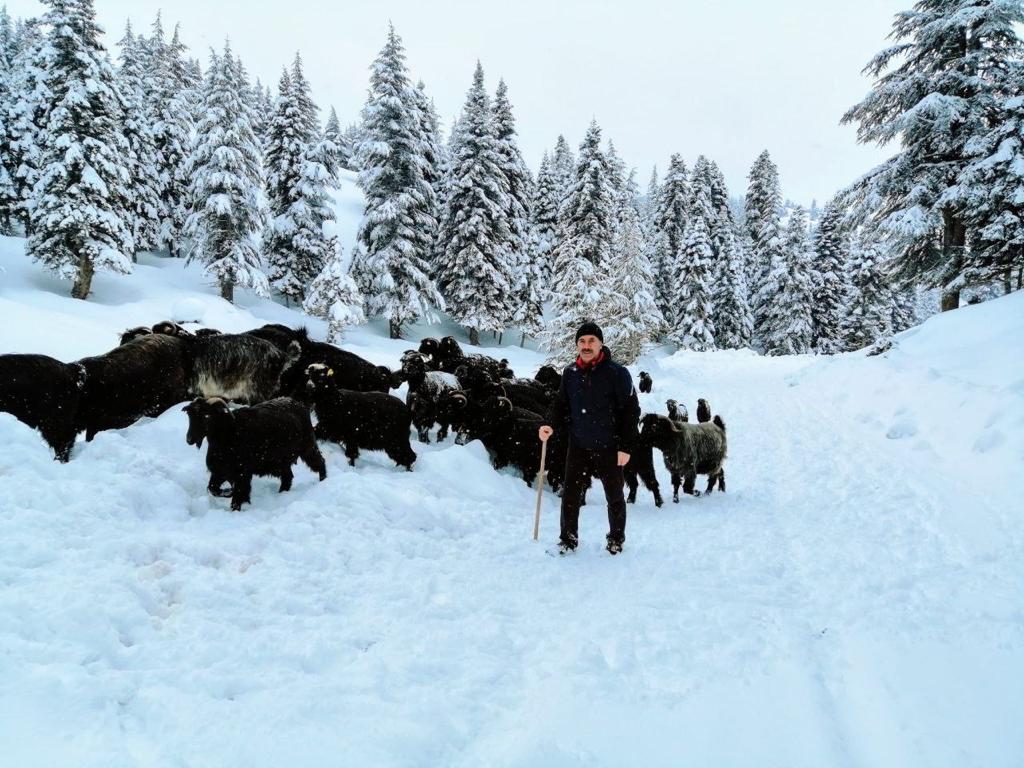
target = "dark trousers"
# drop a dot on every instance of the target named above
(581, 463)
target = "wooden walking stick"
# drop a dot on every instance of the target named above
(540, 487)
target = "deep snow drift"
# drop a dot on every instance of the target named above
(855, 599)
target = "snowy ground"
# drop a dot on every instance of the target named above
(855, 599)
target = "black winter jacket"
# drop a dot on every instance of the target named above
(598, 406)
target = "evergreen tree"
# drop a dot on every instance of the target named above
(351, 138)
(790, 329)
(669, 225)
(7, 41)
(563, 164)
(544, 229)
(476, 270)
(830, 279)
(650, 206)
(868, 314)
(588, 210)
(428, 138)
(297, 158)
(226, 192)
(583, 297)
(693, 326)
(392, 258)
(734, 322)
(334, 296)
(767, 255)
(144, 192)
(81, 195)
(25, 115)
(936, 91)
(332, 132)
(903, 314)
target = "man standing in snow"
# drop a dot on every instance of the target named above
(598, 405)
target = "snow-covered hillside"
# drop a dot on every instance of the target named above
(854, 599)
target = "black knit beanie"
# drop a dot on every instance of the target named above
(590, 329)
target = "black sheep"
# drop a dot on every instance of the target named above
(142, 377)
(373, 421)
(265, 439)
(426, 391)
(44, 394)
(449, 356)
(645, 382)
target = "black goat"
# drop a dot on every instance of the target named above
(703, 411)
(44, 394)
(548, 377)
(677, 412)
(265, 439)
(448, 355)
(134, 333)
(427, 389)
(234, 366)
(645, 382)
(688, 450)
(142, 377)
(372, 421)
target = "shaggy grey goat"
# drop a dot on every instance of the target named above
(688, 449)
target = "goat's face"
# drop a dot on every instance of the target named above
(200, 411)
(414, 365)
(429, 346)
(319, 378)
(449, 347)
(654, 429)
(549, 376)
(207, 332)
(169, 328)
(677, 411)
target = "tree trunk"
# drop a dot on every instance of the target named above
(501, 336)
(227, 291)
(1007, 280)
(522, 341)
(1020, 278)
(474, 337)
(395, 329)
(954, 239)
(83, 281)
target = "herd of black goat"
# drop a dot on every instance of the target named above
(282, 377)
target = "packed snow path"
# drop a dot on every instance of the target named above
(854, 599)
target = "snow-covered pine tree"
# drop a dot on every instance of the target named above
(434, 159)
(392, 257)
(629, 314)
(332, 132)
(334, 296)
(81, 195)
(588, 211)
(790, 329)
(693, 325)
(650, 207)
(7, 41)
(476, 271)
(137, 128)
(767, 258)
(995, 179)
(226, 197)
(903, 314)
(670, 217)
(563, 163)
(830, 279)
(171, 102)
(869, 312)
(935, 93)
(8, 190)
(584, 297)
(544, 227)
(734, 322)
(525, 303)
(294, 245)
(25, 115)
(351, 139)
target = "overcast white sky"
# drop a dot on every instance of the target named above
(726, 78)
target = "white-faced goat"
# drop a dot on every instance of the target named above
(688, 449)
(372, 421)
(265, 439)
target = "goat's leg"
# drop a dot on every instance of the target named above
(216, 481)
(314, 459)
(676, 480)
(286, 479)
(352, 453)
(689, 483)
(721, 480)
(242, 492)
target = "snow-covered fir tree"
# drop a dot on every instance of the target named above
(995, 210)
(629, 316)
(830, 279)
(137, 127)
(391, 261)
(428, 138)
(790, 326)
(294, 245)
(334, 296)
(78, 222)
(476, 270)
(869, 312)
(934, 93)
(332, 132)
(25, 115)
(351, 138)
(692, 325)
(563, 164)
(650, 205)
(171, 101)
(903, 312)
(588, 211)
(767, 258)
(734, 322)
(583, 297)
(225, 196)
(670, 218)
(544, 225)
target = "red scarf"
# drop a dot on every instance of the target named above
(584, 366)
